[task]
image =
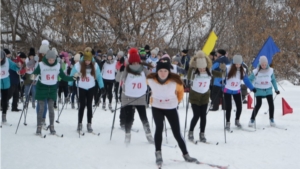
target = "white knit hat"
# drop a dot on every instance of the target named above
(77, 57)
(201, 63)
(263, 59)
(237, 59)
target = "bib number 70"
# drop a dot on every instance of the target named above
(136, 85)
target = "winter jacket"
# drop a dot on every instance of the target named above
(44, 91)
(153, 61)
(185, 62)
(5, 82)
(261, 91)
(215, 66)
(127, 100)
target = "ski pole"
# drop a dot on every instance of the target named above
(186, 112)
(115, 111)
(224, 106)
(26, 104)
(166, 131)
(57, 121)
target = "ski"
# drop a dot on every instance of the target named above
(167, 145)
(244, 129)
(104, 109)
(5, 124)
(42, 136)
(209, 164)
(278, 127)
(134, 130)
(229, 131)
(61, 136)
(194, 142)
(97, 134)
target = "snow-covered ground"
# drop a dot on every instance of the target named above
(270, 148)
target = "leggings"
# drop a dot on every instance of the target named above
(199, 112)
(42, 104)
(4, 100)
(118, 91)
(238, 103)
(258, 104)
(85, 99)
(45, 108)
(108, 85)
(129, 110)
(172, 116)
(63, 89)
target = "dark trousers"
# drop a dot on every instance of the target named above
(172, 116)
(217, 97)
(108, 85)
(258, 105)
(148, 94)
(97, 93)
(63, 89)
(4, 100)
(129, 110)
(85, 100)
(123, 116)
(14, 93)
(238, 103)
(118, 91)
(199, 112)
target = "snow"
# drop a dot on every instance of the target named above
(263, 149)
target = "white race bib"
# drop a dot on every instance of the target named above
(263, 79)
(4, 69)
(201, 83)
(108, 71)
(88, 81)
(234, 83)
(135, 85)
(49, 74)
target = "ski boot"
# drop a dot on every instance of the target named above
(227, 127)
(127, 138)
(79, 127)
(73, 105)
(52, 131)
(89, 127)
(251, 123)
(272, 123)
(109, 106)
(4, 118)
(238, 124)
(202, 137)
(187, 158)
(159, 159)
(104, 106)
(39, 130)
(148, 132)
(191, 135)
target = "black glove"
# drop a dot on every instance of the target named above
(254, 90)
(277, 92)
(103, 91)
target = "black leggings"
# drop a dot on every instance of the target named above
(129, 110)
(4, 100)
(199, 112)
(217, 97)
(14, 94)
(108, 85)
(258, 104)
(238, 102)
(85, 99)
(63, 89)
(172, 116)
(118, 93)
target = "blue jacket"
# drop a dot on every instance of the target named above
(185, 61)
(5, 83)
(215, 66)
(98, 76)
(264, 92)
(14, 77)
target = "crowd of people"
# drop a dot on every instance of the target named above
(138, 79)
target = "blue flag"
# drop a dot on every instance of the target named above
(269, 50)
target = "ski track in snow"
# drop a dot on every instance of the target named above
(264, 149)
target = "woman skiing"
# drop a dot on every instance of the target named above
(263, 78)
(89, 72)
(200, 77)
(232, 88)
(134, 94)
(46, 87)
(109, 75)
(167, 92)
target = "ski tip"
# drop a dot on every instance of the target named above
(217, 143)
(98, 134)
(45, 136)
(62, 135)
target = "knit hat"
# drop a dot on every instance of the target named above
(36, 58)
(7, 52)
(166, 56)
(121, 53)
(177, 59)
(133, 56)
(30, 64)
(110, 53)
(200, 60)
(147, 47)
(63, 54)
(31, 52)
(55, 51)
(87, 56)
(237, 59)
(221, 51)
(163, 64)
(263, 59)
(22, 55)
(77, 57)
(155, 51)
(3, 54)
(45, 42)
(213, 53)
(50, 54)
(185, 51)
(43, 49)
(142, 51)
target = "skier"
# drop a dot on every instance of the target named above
(88, 71)
(109, 75)
(200, 77)
(6, 64)
(232, 88)
(134, 94)
(46, 87)
(167, 92)
(263, 78)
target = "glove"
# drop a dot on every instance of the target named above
(254, 90)
(102, 90)
(32, 77)
(76, 76)
(222, 67)
(277, 92)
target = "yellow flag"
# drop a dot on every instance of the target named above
(210, 43)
